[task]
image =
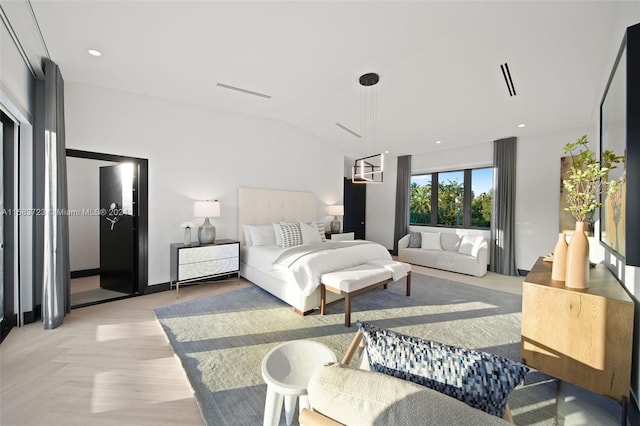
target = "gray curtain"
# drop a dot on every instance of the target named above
(503, 256)
(55, 264)
(403, 195)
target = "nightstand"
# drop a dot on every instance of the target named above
(343, 236)
(196, 262)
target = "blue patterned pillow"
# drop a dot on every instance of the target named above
(479, 379)
(415, 239)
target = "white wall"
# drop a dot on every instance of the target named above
(83, 183)
(198, 153)
(15, 79)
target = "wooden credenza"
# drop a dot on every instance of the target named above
(583, 337)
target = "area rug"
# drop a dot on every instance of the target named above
(222, 339)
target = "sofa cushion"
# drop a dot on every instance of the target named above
(351, 396)
(449, 242)
(431, 241)
(415, 240)
(469, 244)
(480, 379)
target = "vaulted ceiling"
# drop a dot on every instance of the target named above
(438, 61)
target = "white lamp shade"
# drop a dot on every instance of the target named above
(206, 209)
(336, 210)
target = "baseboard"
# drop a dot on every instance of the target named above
(5, 327)
(156, 288)
(633, 413)
(29, 317)
(85, 273)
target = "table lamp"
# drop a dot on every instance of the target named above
(206, 209)
(335, 211)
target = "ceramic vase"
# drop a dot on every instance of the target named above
(577, 274)
(559, 265)
(187, 236)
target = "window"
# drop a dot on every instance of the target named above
(420, 210)
(450, 198)
(461, 198)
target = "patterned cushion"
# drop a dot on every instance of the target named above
(480, 379)
(320, 226)
(415, 239)
(290, 234)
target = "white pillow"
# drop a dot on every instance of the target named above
(476, 246)
(278, 232)
(262, 235)
(310, 233)
(470, 244)
(449, 242)
(431, 241)
(247, 235)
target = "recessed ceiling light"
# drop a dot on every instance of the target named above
(94, 52)
(438, 141)
(386, 152)
(521, 125)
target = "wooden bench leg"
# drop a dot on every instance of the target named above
(384, 286)
(409, 283)
(323, 298)
(347, 310)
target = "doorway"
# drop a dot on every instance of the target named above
(108, 224)
(355, 208)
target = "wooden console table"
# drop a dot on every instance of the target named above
(583, 337)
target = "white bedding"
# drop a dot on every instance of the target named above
(304, 265)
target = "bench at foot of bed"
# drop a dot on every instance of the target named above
(360, 279)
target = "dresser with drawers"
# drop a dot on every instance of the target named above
(196, 262)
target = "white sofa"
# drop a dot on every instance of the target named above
(451, 250)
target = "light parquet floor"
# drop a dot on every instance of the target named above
(108, 364)
(111, 364)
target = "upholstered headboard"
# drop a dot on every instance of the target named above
(263, 206)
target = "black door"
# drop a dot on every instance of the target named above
(117, 227)
(355, 208)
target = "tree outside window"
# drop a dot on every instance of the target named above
(461, 198)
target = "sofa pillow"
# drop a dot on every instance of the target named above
(290, 234)
(262, 235)
(480, 379)
(309, 233)
(415, 240)
(476, 246)
(467, 244)
(449, 242)
(431, 241)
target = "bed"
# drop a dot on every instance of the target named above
(292, 273)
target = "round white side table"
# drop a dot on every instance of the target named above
(287, 369)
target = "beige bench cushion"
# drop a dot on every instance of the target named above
(361, 276)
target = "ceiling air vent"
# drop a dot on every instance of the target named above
(507, 79)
